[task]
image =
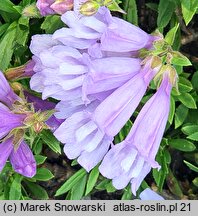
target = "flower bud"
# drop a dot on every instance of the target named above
(23, 71)
(31, 11)
(61, 6)
(89, 8)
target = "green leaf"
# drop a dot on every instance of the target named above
(3, 28)
(7, 6)
(173, 185)
(172, 110)
(22, 31)
(40, 159)
(50, 140)
(170, 36)
(184, 85)
(37, 191)
(182, 145)
(15, 188)
(43, 174)
(191, 166)
(78, 189)
(160, 176)
(102, 185)
(187, 100)
(195, 81)
(193, 136)
(189, 8)
(190, 129)
(165, 12)
(110, 188)
(71, 182)
(51, 24)
(127, 195)
(180, 115)
(93, 177)
(180, 59)
(195, 181)
(6, 46)
(131, 15)
(152, 6)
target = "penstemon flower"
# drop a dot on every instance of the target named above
(82, 137)
(132, 159)
(112, 114)
(102, 32)
(64, 73)
(16, 117)
(22, 159)
(88, 133)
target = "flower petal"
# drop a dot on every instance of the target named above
(23, 161)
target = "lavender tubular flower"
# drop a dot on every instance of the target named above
(64, 73)
(149, 194)
(22, 159)
(82, 138)
(111, 115)
(131, 160)
(7, 96)
(110, 33)
(47, 7)
(85, 131)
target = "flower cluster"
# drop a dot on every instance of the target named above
(93, 68)
(13, 146)
(17, 114)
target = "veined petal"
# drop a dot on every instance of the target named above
(23, 161)
(149, 194)
(82, 132)
(67, 37)
(136, 182)
(65, 133)
(112, 114)
(89, 160)
(42, 42)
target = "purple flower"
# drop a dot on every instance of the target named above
(82, 137)
(149, 194)
(88, 133)
(9, 120)
(64, 73)
(103, 32)
(112, 114)
(132, 159)
(7, 96)
(22, 159)
(47, 7)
